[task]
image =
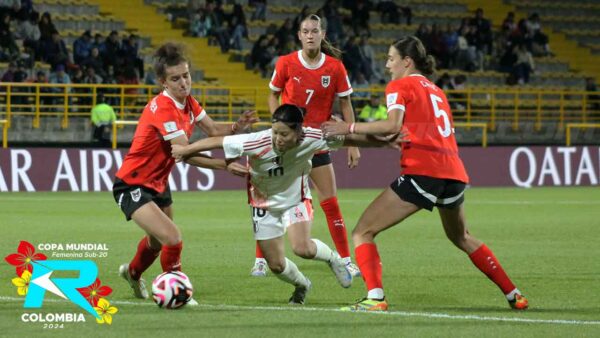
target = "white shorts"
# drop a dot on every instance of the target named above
(272, 224)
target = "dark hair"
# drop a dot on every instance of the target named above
(412, 47)
(326, 45)
(289, 114)
(168, 55)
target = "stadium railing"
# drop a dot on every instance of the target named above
(469, 125)
(487, 105)
(577, 125)
(4, 124)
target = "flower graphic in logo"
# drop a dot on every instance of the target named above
(23, 258)
(22, 283)
(95, 291)
(105, 311)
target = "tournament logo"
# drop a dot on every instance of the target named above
(35, 276)
(325, 80)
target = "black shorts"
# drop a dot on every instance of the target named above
(321, 159)
(132, 197)
(427, 192)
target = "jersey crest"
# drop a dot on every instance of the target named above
(325, 80)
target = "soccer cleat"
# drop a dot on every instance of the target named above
(299, 294)
(260, 268)
(192, 302)
(353, 269)
(519, 303)
(138, 286)
(367, 304)
(338, 267)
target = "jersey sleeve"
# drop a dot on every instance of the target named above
(197, 110)
(343, 86)
(397, 94)
(236, 146)
(280, 76)
(165, 120)
(315, 139)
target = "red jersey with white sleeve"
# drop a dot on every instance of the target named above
(432, 150)
(313, 88)
(149, 160)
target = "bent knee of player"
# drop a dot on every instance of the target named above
(363, 233)
(173, 237)
(303, 249)
(276, 266)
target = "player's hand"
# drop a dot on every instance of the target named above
(335, 126)
(393, 140)
(353, 157)
(177, 151)
(237, 169)
(246, 119)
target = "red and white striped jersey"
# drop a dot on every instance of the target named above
(278, 180)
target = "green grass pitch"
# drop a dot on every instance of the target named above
(547, 239)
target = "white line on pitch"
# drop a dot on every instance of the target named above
(389, 313)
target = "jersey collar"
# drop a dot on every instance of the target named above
(308, 66)
(421, 75)
(177, 104)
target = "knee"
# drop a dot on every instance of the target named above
(362, 233)
(172, 238)
(458, 239)
(276, 266)
(302, 249)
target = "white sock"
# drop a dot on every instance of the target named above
(511, 295)
(292, 275)
(375, 294)
(324, 253)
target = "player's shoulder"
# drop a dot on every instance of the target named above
(311, 134)
(332, 61)
(289, 58)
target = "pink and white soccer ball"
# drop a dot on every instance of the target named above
(172, 290)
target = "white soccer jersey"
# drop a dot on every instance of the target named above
(278, 181)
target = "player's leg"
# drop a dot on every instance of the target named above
(260, 264)
(455, 226)
(269, 231)
(323, 179)
(298, 221)
(384, 212)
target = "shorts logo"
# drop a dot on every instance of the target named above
(136, 194)
(170, 126)
(325, 81)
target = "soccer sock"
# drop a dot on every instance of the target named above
(486, 262)
(259, 253)
(369, 263)
(336, 225)
(292, 275)
(324, 253)
(144, 257)
(170, 258)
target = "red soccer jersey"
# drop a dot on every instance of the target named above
(149, 160)
(311, 87)
(432, 150)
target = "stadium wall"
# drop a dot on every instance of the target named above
(55, 169)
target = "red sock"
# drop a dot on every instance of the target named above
(170, 259)
(369, 264)
(259, 253)
(337, 229)
(144, 257)
(486, 262)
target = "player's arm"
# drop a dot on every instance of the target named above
(273, 100)
(355, 140)
(189, 153)
(211, 128)
(348, 113)
(386, 127)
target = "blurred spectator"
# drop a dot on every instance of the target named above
(298, 19)
(55, 51)
(129, 77)
(392, 13)
(450, 40)
(540, 46)
(103, 117)
(260, 56)
(483, 30)
(237, 27)
(361, 86)
(466, 56)
(593, 100)
(445, 82)
(458, 101)
(509, 25)
(524, 65)
(353, 59)
(100, 44)
(200, 24)
(260, 9)
(40, 77)
(94, 61)
(334, 29)
(29, 31)
(10, 50)
(46, 27)
(360, 16)
(82, 47)
(130, 52)
(113, 50)
(368, 54)
(91, 77)
(373, 111)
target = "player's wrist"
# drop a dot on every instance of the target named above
(352, 128)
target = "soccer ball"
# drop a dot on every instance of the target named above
(172, 290)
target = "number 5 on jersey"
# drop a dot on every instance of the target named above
(447, 131)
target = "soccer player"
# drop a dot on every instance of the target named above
(141, 184)
(432, 173)
(312, 78)
(278, 191)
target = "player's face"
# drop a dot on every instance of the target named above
(178, 81)
(396, 64)
(284, 137)
(310, 35)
